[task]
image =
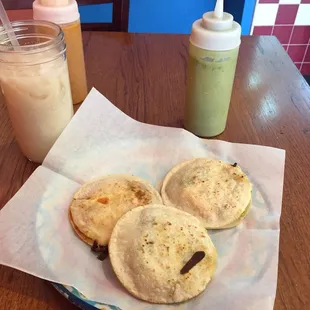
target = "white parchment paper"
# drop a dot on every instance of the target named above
(36, 236)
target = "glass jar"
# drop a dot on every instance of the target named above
(35, 85)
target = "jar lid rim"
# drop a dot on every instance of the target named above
(20, 27)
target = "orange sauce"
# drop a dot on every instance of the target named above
(76, 63)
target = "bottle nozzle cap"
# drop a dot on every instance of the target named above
(217, 24)
(219, 9)
(216, 30)
(217, 20)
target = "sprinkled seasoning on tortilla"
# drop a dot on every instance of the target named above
(99, 204)
(148, 258)
(218, 193)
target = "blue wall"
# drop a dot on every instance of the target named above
(166, 16)
(247, 17)
(96, 13)
(163, 16)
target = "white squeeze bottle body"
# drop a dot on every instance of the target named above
(65, 14)
(213, 54)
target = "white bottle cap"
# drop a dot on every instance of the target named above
(216, 31)
(56, 11)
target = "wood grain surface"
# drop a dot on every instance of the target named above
(144, 75)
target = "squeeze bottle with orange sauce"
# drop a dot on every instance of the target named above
(65, 13)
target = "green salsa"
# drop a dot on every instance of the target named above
(210, 77)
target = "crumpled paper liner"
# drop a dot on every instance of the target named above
(36, 236)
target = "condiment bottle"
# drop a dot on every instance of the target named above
(65, 13)
(213, 53)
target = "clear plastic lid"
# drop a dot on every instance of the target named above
(216, 30)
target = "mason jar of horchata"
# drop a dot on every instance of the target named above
(35, 85)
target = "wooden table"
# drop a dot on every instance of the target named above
(144, 75)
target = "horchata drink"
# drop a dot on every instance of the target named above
(35, 85)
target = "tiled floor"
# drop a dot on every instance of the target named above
(289, 21)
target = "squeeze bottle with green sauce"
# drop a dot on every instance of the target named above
(213, 54)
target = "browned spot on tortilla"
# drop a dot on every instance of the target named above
(103, 200)
(141, 194)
